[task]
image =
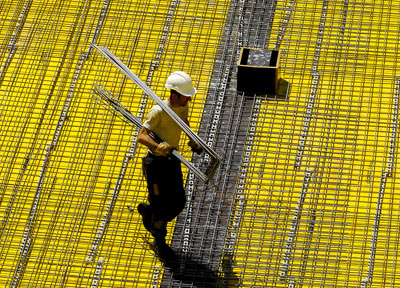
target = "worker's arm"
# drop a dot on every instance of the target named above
(145, 139)
(192, 144)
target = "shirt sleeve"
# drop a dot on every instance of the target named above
(153, 119)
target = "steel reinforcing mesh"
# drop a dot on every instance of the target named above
(316, 200)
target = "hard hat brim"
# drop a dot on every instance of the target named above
(184, 93)
(190, 93)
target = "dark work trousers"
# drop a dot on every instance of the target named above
(166, 193)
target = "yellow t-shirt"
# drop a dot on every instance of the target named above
(158, 121)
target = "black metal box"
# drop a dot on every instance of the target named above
(258, 71)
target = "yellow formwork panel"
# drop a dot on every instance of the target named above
(327, 240)
(63, 151)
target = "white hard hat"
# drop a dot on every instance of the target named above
(181, 82)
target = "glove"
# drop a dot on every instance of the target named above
(163, 149)
(195, 147)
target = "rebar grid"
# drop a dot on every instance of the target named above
(306, 195)
(70, 169)
(320, 207)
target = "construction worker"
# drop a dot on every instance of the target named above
(163, 173)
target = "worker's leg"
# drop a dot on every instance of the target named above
(174, 197)
(166, 193)
(155, 223)
(145, 211)
(159, 230)
(143, 208)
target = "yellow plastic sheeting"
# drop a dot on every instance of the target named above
(61, 152)
(314, 224)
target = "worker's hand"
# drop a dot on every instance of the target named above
(195, 147)
(164, 149)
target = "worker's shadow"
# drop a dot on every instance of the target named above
(196, 274)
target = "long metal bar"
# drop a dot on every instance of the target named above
(110, 100)
(124, 69)
(294, 227)
(384, 177)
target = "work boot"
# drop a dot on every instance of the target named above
(145, 211)
(165, 253)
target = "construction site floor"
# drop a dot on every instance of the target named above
(307, 193)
